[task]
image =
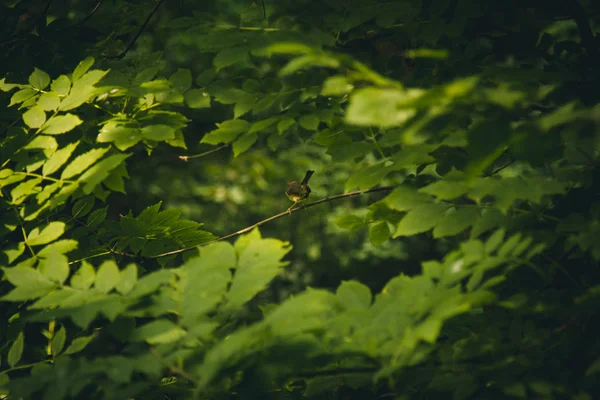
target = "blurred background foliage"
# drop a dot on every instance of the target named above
(534, 96)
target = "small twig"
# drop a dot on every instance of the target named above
(137, 35)
(334, 372)
(105, 253)
(90, 15)
(274, 217)
(186, 158)
(494, 172)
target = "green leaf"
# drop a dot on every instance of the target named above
(39, 79)
(181, 79)
(258, 263)
(354, 295)
(61, 85)
(128, 279)
(285, 123)
(243, 105)
(79, 344)
(107, 277)
(158, 132)
(7, 87)
(61, 124)
(289, 48)
(487, 141)
(121, 136)
(445, 189)
(50, 233)
(379, 233)
(405, 198)
(229, 56)
(48, 101)
(494, 241)
(455, 221)
(309, 61)
(96, 174)
(204, 280)
(84, 277)
(197, 98)
(509, 245)
(42, 142)
(97, 217)
(34, 117)
(82, 68)
(58, 341)
(349, 221)
(55, 267)
(21, 96)
(60, 246)
(58, 159)
(420, 219)
(243, 143)
(82, 206)
(20, 193)
(158, 331)
(16, 350)
(381, 107)
(227, 132)
(429, 330)
(490, 218)
(309, 122)
(366, 178)
(336, 86)
(82, 162)
(261, 125)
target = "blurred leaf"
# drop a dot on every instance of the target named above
(226, 132)
(84, 277)
(230, 56)
(107, 277)
(455, 221)
(55, 267)
(181, 79)
(405, 198)
(243, 143)
(381, 107)
(421, 219)
(58, 341)
(16, 350)
(197, 98)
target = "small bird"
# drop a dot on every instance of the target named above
(298, 191)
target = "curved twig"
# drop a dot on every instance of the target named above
(91, 14)
(137, 35)
(186, 158)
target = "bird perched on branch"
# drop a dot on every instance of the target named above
(298, 191)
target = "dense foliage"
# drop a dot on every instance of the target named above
(463, 266)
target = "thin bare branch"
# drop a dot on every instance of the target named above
(137, 35)
(274, 217)
(186, 158)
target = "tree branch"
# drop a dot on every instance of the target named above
(274, 217)
(137, 35)
(186, 158)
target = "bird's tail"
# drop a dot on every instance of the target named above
(307, 177)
